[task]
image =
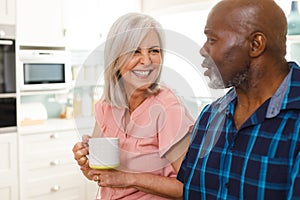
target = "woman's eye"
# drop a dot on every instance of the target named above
(137, 51)
(155, 50)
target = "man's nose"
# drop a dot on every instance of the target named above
(203, 52)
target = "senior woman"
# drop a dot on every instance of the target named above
(150, 121)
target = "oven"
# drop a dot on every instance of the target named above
(8, 111)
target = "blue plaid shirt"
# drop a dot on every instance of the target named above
(261, 160)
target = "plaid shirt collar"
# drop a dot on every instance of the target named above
(287, 95)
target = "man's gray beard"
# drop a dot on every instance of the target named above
(239, 78)
(216, 81)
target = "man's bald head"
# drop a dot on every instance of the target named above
(249, 16)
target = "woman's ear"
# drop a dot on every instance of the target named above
(258, 42)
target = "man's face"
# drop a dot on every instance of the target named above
(225, 51)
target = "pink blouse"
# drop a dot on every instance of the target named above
(154, 127)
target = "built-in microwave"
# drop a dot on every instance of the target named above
(44, 69)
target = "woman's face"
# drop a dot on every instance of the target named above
(143, 67)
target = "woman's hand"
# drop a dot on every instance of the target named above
(145, 182)
(111, 178)
(80, 151)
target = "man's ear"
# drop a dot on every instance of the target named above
(258, 42)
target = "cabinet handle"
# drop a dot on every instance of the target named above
(6, 42)
(54, 162)
(64, 32)
(54, 136)
(55, 188)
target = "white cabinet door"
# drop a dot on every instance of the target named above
(293, 48)
(47, 167)
(7, 12)
(84, 24)
(8, 167)
(88, 21)
(40, 22)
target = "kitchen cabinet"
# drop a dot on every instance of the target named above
(8, 12)
(40, 23)
(47, 167)
(157, 6)
(48, 170)
(293, 48)
(88, 21)
(8, 166)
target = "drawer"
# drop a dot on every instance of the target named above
(40, 144)
(49, 160)
(60, 187)
(74, 193)
(48, 154)
(31, 172)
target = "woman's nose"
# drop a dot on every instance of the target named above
(145, 59)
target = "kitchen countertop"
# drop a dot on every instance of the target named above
(86, 123)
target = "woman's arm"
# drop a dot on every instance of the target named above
(176, 154)
(168, 187)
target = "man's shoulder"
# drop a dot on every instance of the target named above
(292, 100)
(222, 102)
(296, 71)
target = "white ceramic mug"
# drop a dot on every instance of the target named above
(104, 153)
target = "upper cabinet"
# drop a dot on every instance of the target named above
(77, 25)
(293, 48)
(41, 22)
(7, 12)
(84, 24)
(88, 21)
(171, 6)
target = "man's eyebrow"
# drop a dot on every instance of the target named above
(207, 31)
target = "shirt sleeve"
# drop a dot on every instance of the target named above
(173, 124)
(181, 173)
(294, 192)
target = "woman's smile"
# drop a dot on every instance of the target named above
(142, 73)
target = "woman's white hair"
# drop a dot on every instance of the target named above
(123, 39)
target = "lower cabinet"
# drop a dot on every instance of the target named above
(48, 170)
(8, 166)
